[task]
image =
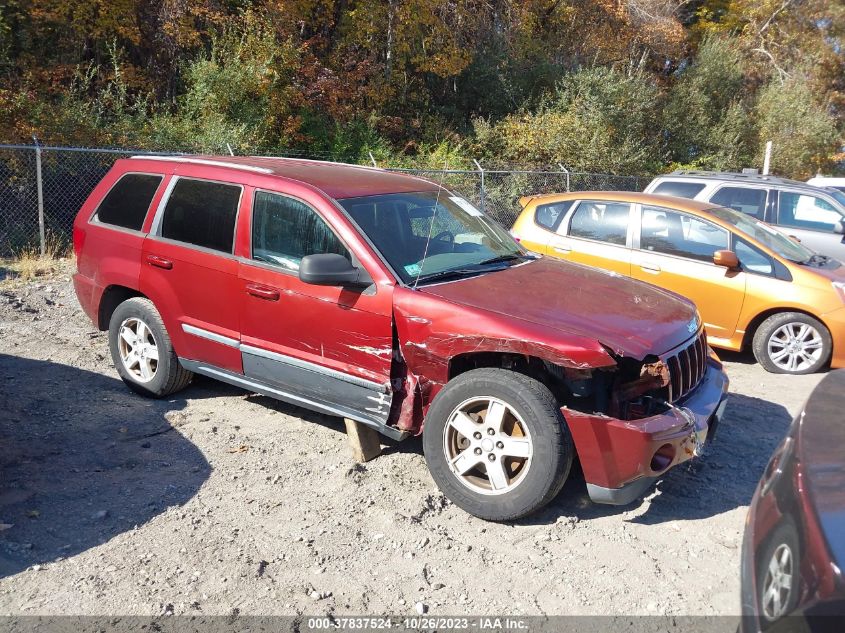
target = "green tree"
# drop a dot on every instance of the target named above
(597, 119)
(803, 132)
(705, 118)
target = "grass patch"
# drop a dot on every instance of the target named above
(28, 263)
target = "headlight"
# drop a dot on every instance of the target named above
(839, 286)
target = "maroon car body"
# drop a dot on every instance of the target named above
(795, 528)
(628, 363)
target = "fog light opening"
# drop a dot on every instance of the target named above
(663, 458)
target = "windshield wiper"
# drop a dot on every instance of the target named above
(816, 258)
(504, 258)
(456, 273)
(477, 269)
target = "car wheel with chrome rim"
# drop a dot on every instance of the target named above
(777, 573)
(497, 444)
(792, 343)
(142, 351)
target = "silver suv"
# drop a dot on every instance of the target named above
(812, 214)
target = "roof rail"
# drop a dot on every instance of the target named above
(205, 161)
(322, 162)
(738, 176)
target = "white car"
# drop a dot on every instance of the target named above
(828, 181)
(814, 215)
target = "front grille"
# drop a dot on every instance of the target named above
(687, 367)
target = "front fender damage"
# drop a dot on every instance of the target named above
(426, 342)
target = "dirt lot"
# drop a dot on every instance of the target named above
(220, 501)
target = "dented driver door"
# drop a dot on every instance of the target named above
(326, 347)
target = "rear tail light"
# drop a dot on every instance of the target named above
(78, 239)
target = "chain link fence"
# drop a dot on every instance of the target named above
(497, 192)
(43, 187)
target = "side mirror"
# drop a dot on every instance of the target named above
(330, 269)
(725, 258)
(839, 227)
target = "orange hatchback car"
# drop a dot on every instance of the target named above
(753, 285)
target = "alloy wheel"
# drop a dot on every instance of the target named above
(795, 346)
(487, 445)
(777, 585)
(138, 349)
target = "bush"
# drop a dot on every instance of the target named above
(242, 93)
(706, 121)
(597, 119)
(803, 133)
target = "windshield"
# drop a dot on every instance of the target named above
(836, 192)
(424, 236)
(765, 234)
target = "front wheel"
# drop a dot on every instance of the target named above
(792, 343)
(497, 444)
(777, 573)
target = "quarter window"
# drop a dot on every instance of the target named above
(601, 221)
(680, 189)
(673, 233)
(748, 201)
(202, 213)
(285, 230)
(753, 259)
(806, 212)
(128, 201)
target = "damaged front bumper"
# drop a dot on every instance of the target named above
(621, 459)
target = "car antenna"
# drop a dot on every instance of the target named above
(433, 218)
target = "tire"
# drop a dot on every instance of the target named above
(792, 343)
(782, 546)
(532, 451)
(144, 330)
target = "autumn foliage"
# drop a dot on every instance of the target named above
(621, 86)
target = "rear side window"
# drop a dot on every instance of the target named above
(601, 221)
(680, 189)
(550, 215)
(202, 213)
(127, 203)
(285, 230)
(748, 201)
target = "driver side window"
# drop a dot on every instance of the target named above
(285, 230)
(804, 211)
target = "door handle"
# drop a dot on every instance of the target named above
(562, 250)
(159, 262)
(650, 267)
(262, 292)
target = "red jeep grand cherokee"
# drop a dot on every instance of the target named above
(388, 300)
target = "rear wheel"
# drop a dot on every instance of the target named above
(142, 352)
(497, 444)
(792, 343)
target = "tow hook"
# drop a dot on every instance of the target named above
(689, 418)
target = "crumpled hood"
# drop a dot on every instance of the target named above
(631, 317)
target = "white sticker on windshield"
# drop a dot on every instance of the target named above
(413, 269)
(466, 206)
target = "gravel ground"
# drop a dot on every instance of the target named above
(220, 501)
